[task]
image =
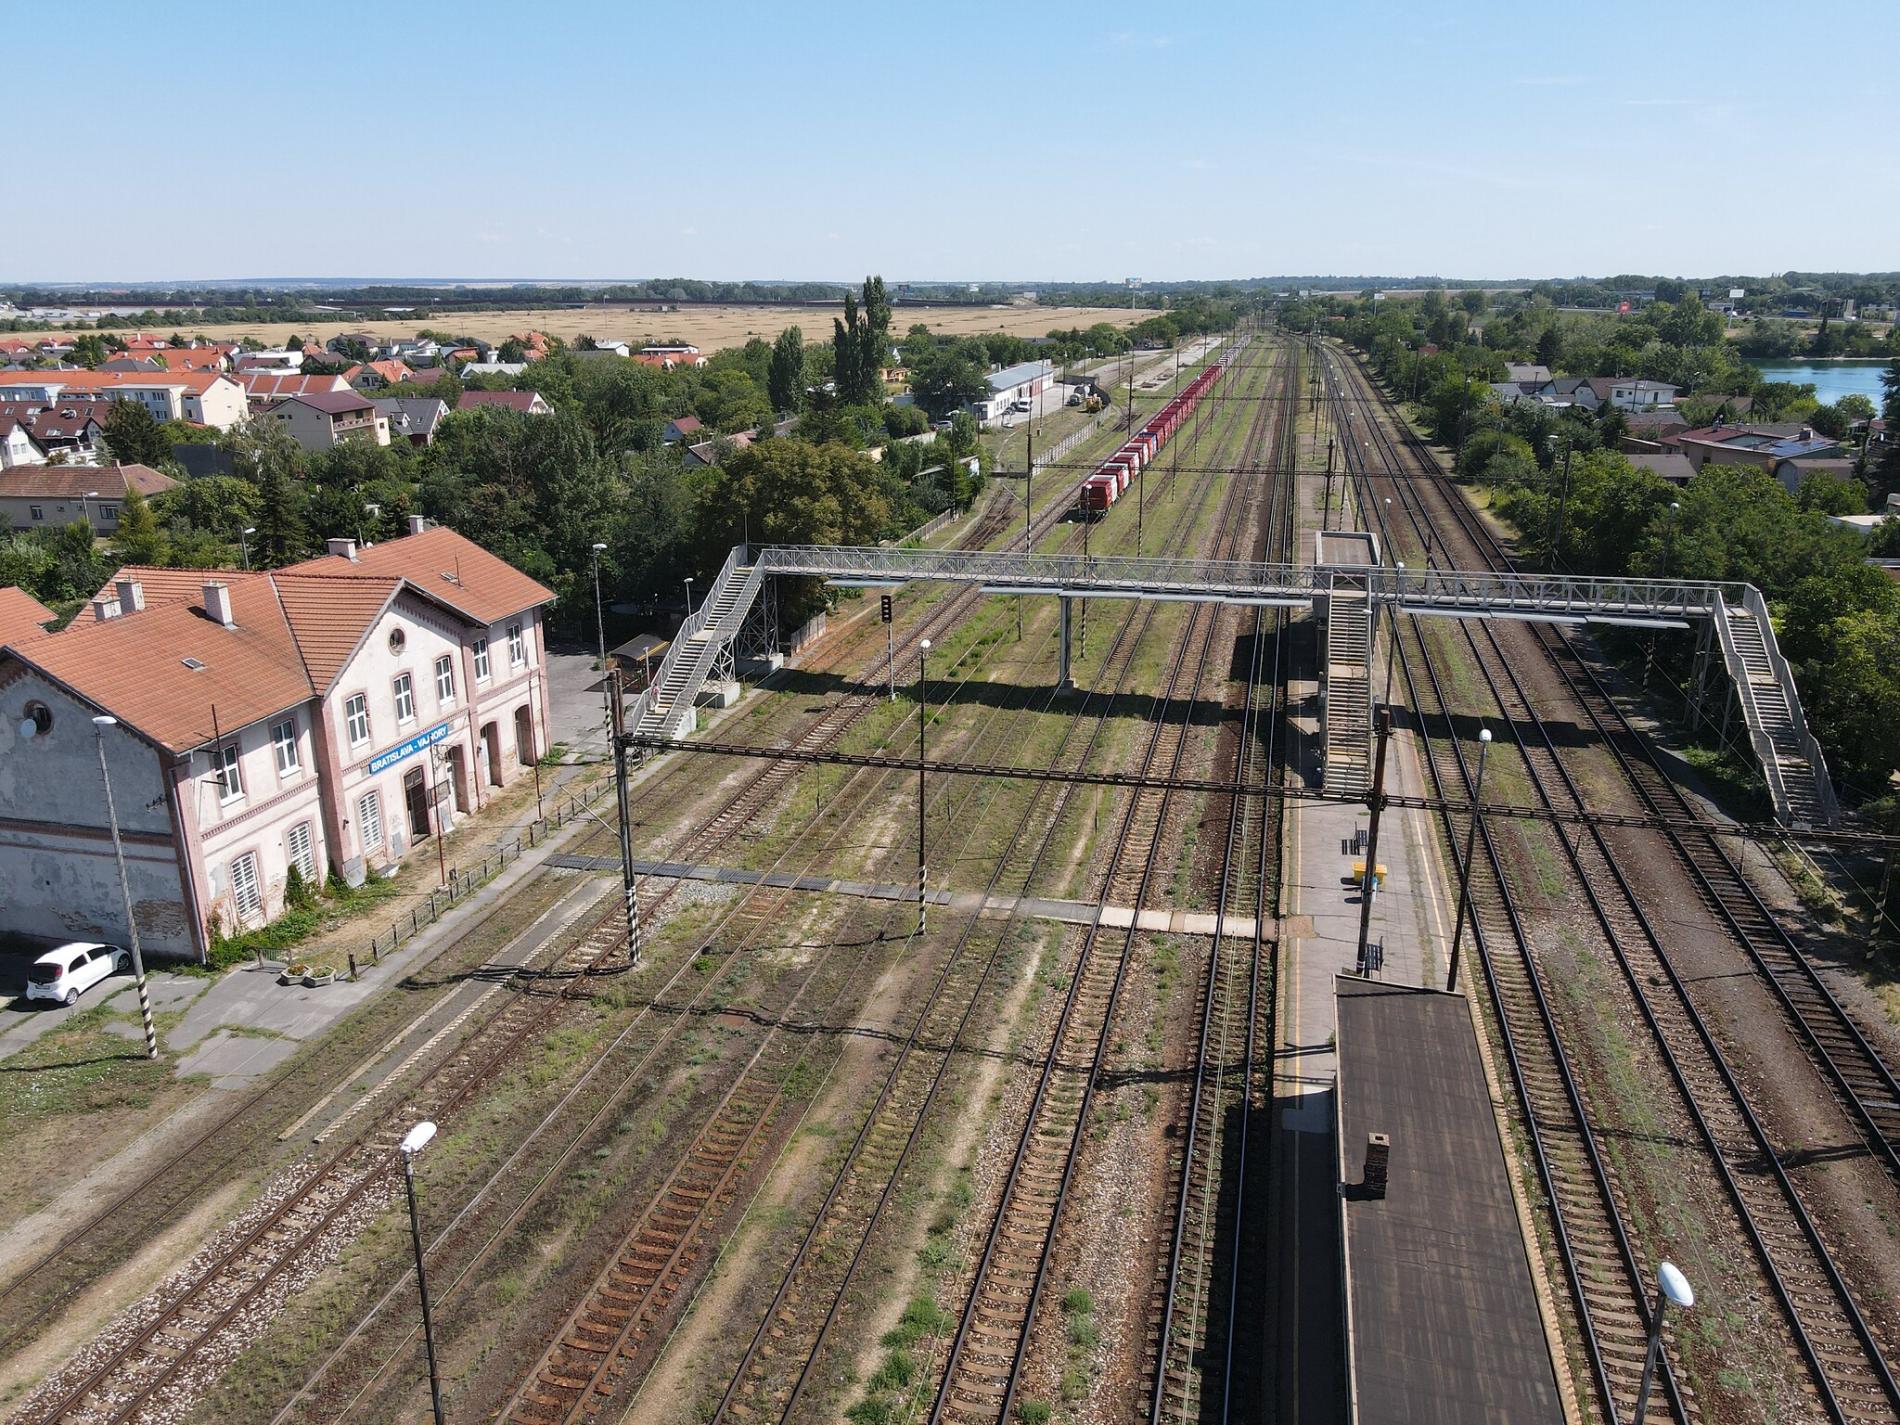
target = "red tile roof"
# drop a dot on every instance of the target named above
(186, 358)
(447, 567)
(134, 666)
(71, 482)
(264, 387)
(21, 615)
(329, 615)
(105, 381)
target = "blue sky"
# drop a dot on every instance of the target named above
(828, 140)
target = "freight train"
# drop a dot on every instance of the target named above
(1113, 477)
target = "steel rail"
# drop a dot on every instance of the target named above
(1825, 1363)
(1278, 537)
(1628, 1297)
(1095, 1031)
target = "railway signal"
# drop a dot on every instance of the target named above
(890, 659)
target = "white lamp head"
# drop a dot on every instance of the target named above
(1484, 734)
(598, 548)
(1675, 1285)
(417, 1138)
(105, 720)
(924, 644)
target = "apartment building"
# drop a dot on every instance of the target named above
(207, 398)
(331, 715)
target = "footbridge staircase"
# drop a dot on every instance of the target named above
(1791, 760)
(701, 651)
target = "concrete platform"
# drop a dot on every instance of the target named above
(1069, 912)
(1442, 1317)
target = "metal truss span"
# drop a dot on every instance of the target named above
(1450, 592)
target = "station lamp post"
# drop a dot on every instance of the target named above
(923, 716)
(99, 726)
(689, 600)
(244, 546)
(413, 1142)
(1471, 847)
(600, 632)
(1671, 1286)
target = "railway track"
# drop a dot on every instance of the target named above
(1849, 1378)
(1841, 1050)
(1203, 1295)
(784, 1352)
(982, 1371)
(612, 1334)
(135, 1366)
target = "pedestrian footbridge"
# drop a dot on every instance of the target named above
(1733, 617)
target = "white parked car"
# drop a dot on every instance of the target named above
(65, 974)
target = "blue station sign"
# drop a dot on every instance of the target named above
(403, 750)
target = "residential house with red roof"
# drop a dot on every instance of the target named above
(529, 403)
(46, 496)
(73, 429)
(375, 375)
(264, 389)
(323, 420)
(333, 714)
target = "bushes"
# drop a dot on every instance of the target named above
(305, 914)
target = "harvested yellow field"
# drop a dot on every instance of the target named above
(708, 328)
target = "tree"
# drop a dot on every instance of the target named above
(785, 382)
(1828, 421)
(513, 351)
(282, 536)
(139, 539)
(1856, 407)
(1550, 347)
(133, 435)
(1890, 413)
(947, 379)
(88, 351)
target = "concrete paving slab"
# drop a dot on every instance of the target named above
(233, 1060)
(1069, 912)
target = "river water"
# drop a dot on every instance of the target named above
(1832, 379)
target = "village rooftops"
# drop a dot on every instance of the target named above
(202, 651)
(21, 616)
(74, 482)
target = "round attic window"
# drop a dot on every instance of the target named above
(37, 721)
(397, 638)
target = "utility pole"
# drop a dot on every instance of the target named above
(1471, 849)
(99, 726)
(624, 804)
(1563, 499)
(1375, 803)
(923, 717)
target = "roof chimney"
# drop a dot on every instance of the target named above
(131, 596)
(1807, 432)
(1378, 1163)
(343, 548)
(418, 523)
(218, 602)
(104, 608)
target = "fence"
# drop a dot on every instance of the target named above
(806, 634)
(464, 881)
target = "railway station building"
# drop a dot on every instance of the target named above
(328, 716)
